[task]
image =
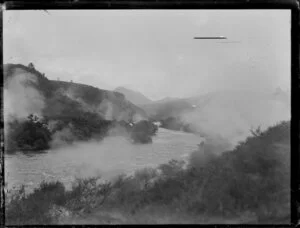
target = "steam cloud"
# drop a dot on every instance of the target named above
(21, 99)
(106, 109)
(108, 158)
(228, 117)
(137, 117)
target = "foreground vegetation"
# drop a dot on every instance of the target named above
(249, 184)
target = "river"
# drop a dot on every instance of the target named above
(108, 158)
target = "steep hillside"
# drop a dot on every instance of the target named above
(67, 98)
(40, 114)
(34, 77)
(133, 96)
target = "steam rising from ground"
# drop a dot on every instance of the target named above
(116, 155)
(226, 118)
(137, 117)
(59, 138)
(108, 157)
(222, 118)
(106, 108)
(20, 98)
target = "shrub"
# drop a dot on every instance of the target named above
(87, 194)
(31, 134)
(34, 208)
(143, 131)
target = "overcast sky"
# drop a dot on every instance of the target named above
(153, 51)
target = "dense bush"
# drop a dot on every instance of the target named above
(143, 131)
(30, 134)
(47, 204)
(34, 208)
(253, 178)
(34, 134)
(83, 126)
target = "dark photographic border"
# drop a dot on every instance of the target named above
(292, 5)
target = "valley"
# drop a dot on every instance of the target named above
(64, 134)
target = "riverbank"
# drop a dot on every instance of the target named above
(249, 184)
(112, 156)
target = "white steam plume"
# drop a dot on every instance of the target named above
(228, 116)
(21, 99)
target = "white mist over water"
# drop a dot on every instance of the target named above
(108, 158)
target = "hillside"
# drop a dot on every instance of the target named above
(40, 113)
(67, 98)
(133, 96)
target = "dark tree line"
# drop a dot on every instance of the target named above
(30, 134)
(34, 134)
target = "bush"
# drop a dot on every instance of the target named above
(31, 134)
(143, 131)
(87, 194)
(255, 174)
(34, 208)
(37, 207)
(202, 156)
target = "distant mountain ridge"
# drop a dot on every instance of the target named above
(167, 99)
(135, 97)
(167, 108)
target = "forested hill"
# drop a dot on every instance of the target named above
(40, 113)
(67, 98)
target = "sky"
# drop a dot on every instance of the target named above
(153, 51)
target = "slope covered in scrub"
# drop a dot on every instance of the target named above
(39, 112)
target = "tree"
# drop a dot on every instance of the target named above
(30, 65)
(31, 134)
(142, 132)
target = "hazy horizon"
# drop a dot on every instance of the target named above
(153, 51)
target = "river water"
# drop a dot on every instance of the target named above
(108, 158)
